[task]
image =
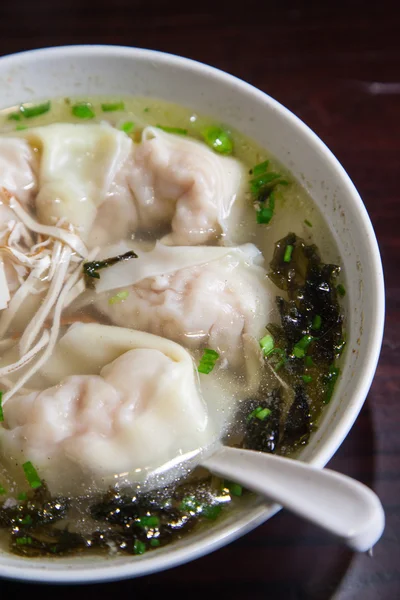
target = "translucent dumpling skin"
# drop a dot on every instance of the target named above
(180, 183)
(213, 304)
(141, 411)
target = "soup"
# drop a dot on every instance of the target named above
(162, 290)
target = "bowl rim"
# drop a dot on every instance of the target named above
(28, 571)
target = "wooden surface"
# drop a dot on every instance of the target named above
(337, 66)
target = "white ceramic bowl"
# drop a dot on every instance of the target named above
(91, 70)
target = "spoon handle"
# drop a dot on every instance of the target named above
(335, 502)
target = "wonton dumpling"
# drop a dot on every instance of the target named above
(82, 171)
(141, 410)
(180, 182)
(17, 169)
(212, 304)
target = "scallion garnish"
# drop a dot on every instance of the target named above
(235, 489)
(154, 542)
(189, 504)
(112, 106)
(120, 297)
(14, 116)
(139, 547)
(267, 344)
(1, 407)
(218, 139)
(90, 268)
(308, 223)
(23, 541)
(177, 130)
(147, 109)
(83, 110)
(20, 127)
(259, 413)
(150, 521)
(27, 520)
(35, 110)
(330, 380)
(22, 496)
(128, 127)
(211, 512)
(341, 290)
(288, 253)
(260, 168)
(300, 348)
(207, 361)
(3, 490)
(264, 215)
(264, 180)
(306, 378)
(317, 322)
(308, 361)
(31, 475)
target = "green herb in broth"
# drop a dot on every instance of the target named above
(176, 130)
(112, 106)
(127, 522)
(83, 110)
(219, 140)
(207, 361)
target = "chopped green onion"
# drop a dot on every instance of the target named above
(317, 322)
(148, 521)
(288, 253)
(207, 361)
(1, 407)
(267, 344)
(264, 215)
(259, 412)
(306, 378)
(15, 116)
(263, 180)
(113, 106)
(147, 109)
(308, 223)
(22, 496)
(27, 520)
(300, 349)
(218, 139)
(280, 364)
(260, 168)
(128, 127)
(31, 475)
(120, 297)
(154, 542)
(211, 512)
(189, 504)
(234, 488)
(3, 490)
(176, 130)
(83, 110)
(20, 127)
(341, 290)
(34, 111)
(308, 361)
(23, 541)
(139, 547)
(331, 379)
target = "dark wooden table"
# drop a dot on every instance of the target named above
(336, 64)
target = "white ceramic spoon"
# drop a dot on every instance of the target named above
(335, 502)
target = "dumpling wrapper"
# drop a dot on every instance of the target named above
(180, 182)
(197, 296)
(124, 404)
(82, 179)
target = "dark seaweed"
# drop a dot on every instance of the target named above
(262, 435)
(298, 422)
(90, 268)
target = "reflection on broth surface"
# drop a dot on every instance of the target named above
(161, 291)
